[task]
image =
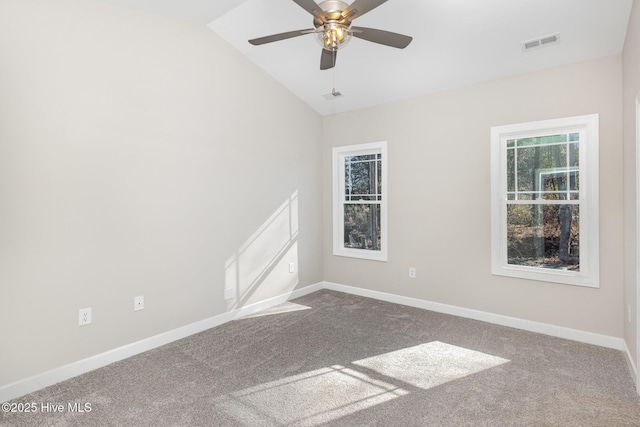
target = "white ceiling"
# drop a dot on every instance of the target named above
(455, 43)
(199, 11)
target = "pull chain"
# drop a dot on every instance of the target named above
(334, 92)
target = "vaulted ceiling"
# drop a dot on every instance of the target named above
(455, 43)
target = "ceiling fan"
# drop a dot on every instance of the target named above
(332, 21)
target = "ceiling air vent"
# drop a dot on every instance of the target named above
(549, 40)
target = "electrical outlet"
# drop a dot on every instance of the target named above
(292, 267)
(138, 303)
(84, 316)
(412, 272)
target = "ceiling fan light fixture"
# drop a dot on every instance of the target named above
(332, 28)
(333, 36)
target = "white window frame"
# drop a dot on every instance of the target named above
(588, 126)
(339, 154)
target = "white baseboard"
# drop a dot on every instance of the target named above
(37, 382)
(632, 367)
(527, 325)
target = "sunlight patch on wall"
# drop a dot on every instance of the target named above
(263, 259)
(327, 394)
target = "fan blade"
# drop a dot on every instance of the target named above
(328, 59)
(359, 8)
(280, 36)
(386, 38)
(313, 8)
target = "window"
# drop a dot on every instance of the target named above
(359, 201)
(545, 200)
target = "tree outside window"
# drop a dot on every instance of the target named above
(545, 200)
(360, 201)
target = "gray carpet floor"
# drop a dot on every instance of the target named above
(335, 359)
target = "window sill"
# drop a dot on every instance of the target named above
(361, 254)
(554, 276)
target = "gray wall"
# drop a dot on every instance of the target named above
(141, 156)
(631, 88)
(439, 195)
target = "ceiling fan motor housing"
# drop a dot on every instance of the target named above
(333, 10)
(333, 33)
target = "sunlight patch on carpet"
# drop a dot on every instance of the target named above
(286, 307)
(326, 394)
(431, 364)
(311, 398)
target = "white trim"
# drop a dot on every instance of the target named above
(637, 243)
(588, 126)
(37, 382)
(632, 366)
(513, 322)
(338, 200)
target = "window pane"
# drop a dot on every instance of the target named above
(511, 170)
(362, 177)
(574, 181)
(545, 236)
(526, 196)
(379, 174)
(554, 196)
(552, 181)
(535, 161)
(362, 226)
(364, 158)
(574, 158)
(527, 159)
(541, 140)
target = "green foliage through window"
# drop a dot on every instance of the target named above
(544, 230)
(362, 186)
